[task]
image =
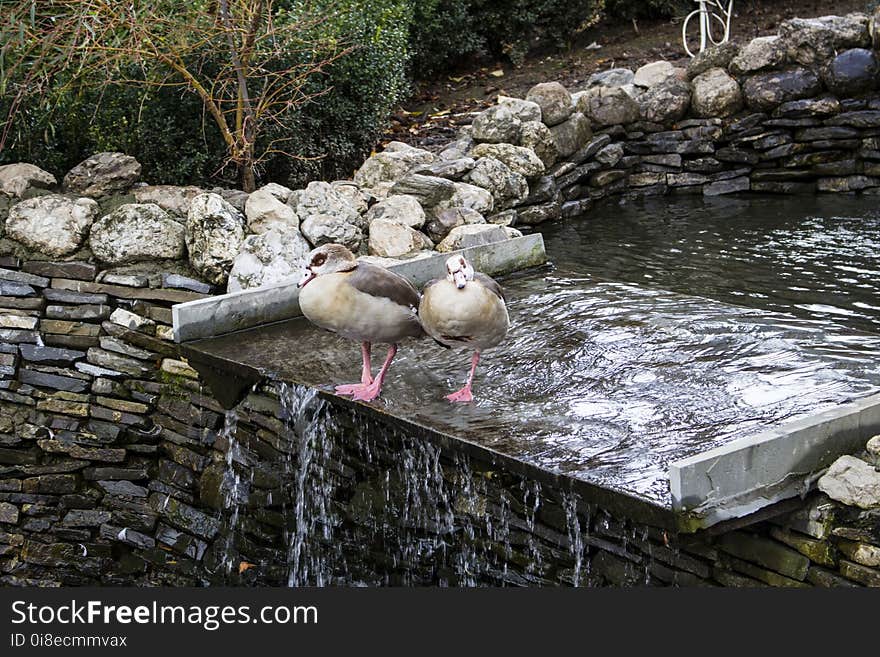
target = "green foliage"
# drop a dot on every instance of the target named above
(444, 33)
(338, 128)
(646, 8)
(163, 128)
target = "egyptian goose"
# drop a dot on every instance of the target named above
(465, 309)
(362, 302)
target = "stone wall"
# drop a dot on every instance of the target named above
(116, 466)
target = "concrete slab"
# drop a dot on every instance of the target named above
(226, 313)
(748, 474)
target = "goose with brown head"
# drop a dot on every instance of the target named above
(361, 302)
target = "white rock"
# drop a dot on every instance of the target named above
(266, 208)
(357, 198)
(402, 208)
(321, 198)
(507, 187)
(554, 101)
(498, 124)
(214, 235)
(851, 481)
(170, 198)
(524, 110)
(134, 232)
(469, 235)
(653, 73)
(518, 158)
(53, 224)
(276, 256)
(392, 164)
(393, 239)
(325, 229)
(16, 179)
(130, 320)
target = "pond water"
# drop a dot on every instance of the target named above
(663, 329)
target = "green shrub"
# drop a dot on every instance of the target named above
(339, 127)
(167, 129)
(647, 8)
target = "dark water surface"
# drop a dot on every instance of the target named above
(663, 330)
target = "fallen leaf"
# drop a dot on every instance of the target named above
(497, 73)
(243, 566)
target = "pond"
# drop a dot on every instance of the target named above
(664, 328)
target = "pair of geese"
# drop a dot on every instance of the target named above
(369, 304)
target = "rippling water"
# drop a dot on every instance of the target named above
(663, 330)
(813, 256)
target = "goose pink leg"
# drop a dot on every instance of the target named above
(369, 391)
(465, 394)
(366, 374)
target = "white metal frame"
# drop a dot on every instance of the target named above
(714, 17)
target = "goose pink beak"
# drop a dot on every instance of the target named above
(460, 279)
(307, 276)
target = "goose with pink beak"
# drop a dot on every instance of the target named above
(465, 310)
(359, 301)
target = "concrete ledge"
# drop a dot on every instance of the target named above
(226, 313)
(751, 473)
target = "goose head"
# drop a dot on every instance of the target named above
(327, 259)
(459, 271)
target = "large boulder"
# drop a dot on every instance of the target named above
(393, 239)
(52, 224)
(214, 235)
(102, 174)
(275, 256)
(507, 187)
(571, 135)
(135, 232)
(517, 158)
(606, 106)
(537, 137)
(852, 72)
(356, 197)
(767, 52)
(428, 190)
(397, 160)
(811, 41)
(715, 93)
(18, 178)
(716, 56)
(496, 125)
(524, 110)
(765, 91)
(267, 208)
(324, 228)
(442, 222)
(402, 208)
(554, 101)
(653, 74)
(321, 198)
(463, 237)
(170, 198)
(667, 101)
(852, 481)
(466, 195)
